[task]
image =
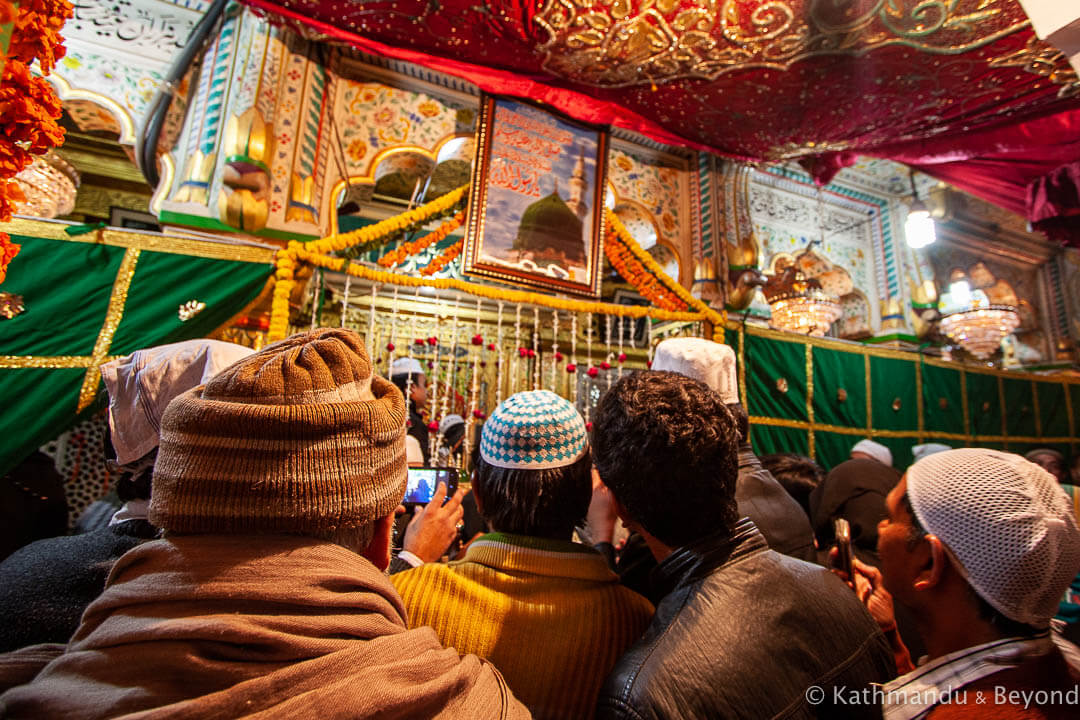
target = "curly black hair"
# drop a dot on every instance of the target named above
(667, 447)
(547, 503)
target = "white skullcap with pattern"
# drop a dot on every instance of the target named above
(703, 360)
(1006, 522)
(534, 430)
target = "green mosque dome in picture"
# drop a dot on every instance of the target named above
(550, 231)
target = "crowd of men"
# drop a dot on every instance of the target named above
(250, 572)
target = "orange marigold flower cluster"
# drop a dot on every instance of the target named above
(445, 258)
(29, 107)
(8, 250)
(637, 275)
(398, 254)
(37, 32)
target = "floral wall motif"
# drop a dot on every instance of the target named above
(660, 185)
(119, 52)
(374, 117)
(785, 217)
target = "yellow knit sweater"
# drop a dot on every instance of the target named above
(550, 615)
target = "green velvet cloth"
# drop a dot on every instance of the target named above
(1035, 412)
(66, 288)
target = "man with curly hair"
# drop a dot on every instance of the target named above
(740, 631)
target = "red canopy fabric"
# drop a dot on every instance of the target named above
(963, 89)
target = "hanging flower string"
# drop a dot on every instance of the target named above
(535, 355)
(498, 355)
(517, 351)
(556, 356)
(474, 413)
(405, 250)
(671, 301)
(29, 107)
(288, 258)
(390, 347)
(571, 367)
(365, 237)
(445, 258)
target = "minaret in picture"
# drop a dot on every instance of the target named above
(577, 188)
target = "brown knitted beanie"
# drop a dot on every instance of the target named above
(298, 438)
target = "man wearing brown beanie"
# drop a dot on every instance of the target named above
(276, 484)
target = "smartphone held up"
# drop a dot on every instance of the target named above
(423, 481)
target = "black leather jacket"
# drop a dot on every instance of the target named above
(778, 516)
(746, 632)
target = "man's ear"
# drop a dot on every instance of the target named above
(378, 550)
(933, 565)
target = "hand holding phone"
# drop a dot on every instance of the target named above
(844, 561)
(422, 483)
(434, 527)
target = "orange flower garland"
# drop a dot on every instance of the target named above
(635, 273)
(398, 254)
(448, 256)
(29, 107)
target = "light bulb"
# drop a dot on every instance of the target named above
(919, 228)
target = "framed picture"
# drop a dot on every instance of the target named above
(133, 219)
(536, 210)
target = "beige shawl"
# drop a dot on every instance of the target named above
(259, 627)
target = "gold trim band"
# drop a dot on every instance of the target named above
(140, 241)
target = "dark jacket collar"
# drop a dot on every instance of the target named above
(747, 458)
(703, 557)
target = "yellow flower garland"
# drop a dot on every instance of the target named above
(314, 254)
(438, 206)
(716, 318)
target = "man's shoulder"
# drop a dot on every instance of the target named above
(721, 630)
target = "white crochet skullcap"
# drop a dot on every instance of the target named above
(1006, 522)
(450, 421)
(921, 451)
(875, 450)
(704, 360)
(406, 366)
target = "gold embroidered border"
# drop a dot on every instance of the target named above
(141, 241)
(913, 434)
(909, 355)
(56, 362)
(742, 368)
(113, 316)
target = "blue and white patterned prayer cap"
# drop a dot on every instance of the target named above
(533, 430)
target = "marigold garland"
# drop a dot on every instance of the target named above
(384, 228)
(637, 275)
(398, 254)
(29, 107)
(445, 258)
(288, 258)
(622, 236)
(672, 300)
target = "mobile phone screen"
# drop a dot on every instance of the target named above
(424, 480)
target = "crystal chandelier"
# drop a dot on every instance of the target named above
(970, 320)
(49, 184)
(797, 302)
(810, 312)
(980, 329)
